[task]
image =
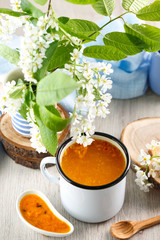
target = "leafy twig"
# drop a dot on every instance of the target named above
(49, 7)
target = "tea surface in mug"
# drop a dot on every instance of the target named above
(97, 164)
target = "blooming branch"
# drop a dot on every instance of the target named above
(151, 165)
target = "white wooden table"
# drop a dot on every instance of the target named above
(15, 178)
(138, 205)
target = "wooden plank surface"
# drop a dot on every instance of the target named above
(15, 178)
(138, 205)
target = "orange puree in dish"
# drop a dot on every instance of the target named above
(36, 212)
(95, 165)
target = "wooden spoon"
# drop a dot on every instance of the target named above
(126, 229)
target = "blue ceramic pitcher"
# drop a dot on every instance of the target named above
(154, 73)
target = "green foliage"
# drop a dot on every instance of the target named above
(81, 1)
(127, 43)
(52, 121)
(81, 28)
(54, 88)
(49, 137)
(104, 7)
(29, 96)
(150, 12)
(12, 13)
(8, 53)
(60, 57)
(41, 2)
(104, 52)
(53, 110)
(17, 93)
(148, 34)
(63, 20)
(134, 5)
(49, 53)
(31, 9)
(23, 110)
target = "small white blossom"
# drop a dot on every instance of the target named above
(152, 145)
(85, 140)
(156, 164)
(107, 68)
(36, 141)
(76, 55)
(142, 181)
(152, 173)
(79, 102)
(143, 158)
(88, 74)
(76, 132)
(16, 5)
(8, 104)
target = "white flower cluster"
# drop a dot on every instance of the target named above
(151, 164)
(92, 99)
(9, 24)
(7, 104)
(142, 180)
(36, 140)
(36, 42)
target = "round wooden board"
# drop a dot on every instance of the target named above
(19, 147)
(137, 134)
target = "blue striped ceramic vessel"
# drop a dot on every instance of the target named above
(21, 125)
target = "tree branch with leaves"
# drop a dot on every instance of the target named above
(53, 67)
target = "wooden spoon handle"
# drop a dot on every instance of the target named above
(148, 222)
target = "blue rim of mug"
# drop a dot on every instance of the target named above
(101, 186)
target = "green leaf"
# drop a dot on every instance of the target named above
(23, 111)
(49, 53)
(150, 12)
(127, 43)
(63, 20)
(148, 34)
(104, 52)
(54, 88)
(53, 122)
(41, 2)
(31, 9)
(49, 137)
(8, 53)
(60, 57)
(52, 109)
(81, 28)
(104, 7)
(17, 93)
(81, 1)
(29, 96)
(134, 5)
(19, 82)
(11, 12)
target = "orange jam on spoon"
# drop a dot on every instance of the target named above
(36, 212)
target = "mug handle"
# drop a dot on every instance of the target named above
(44, 170)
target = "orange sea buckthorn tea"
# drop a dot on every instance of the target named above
(97, 164)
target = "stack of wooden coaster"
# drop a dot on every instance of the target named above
(19, 147)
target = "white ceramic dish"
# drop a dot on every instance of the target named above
(43, 232)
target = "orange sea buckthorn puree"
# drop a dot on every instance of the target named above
(36, 212)
(95, 165)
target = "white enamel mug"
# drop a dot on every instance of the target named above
(89, 203)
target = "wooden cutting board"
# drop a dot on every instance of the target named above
(19, 147)
(137, 134)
